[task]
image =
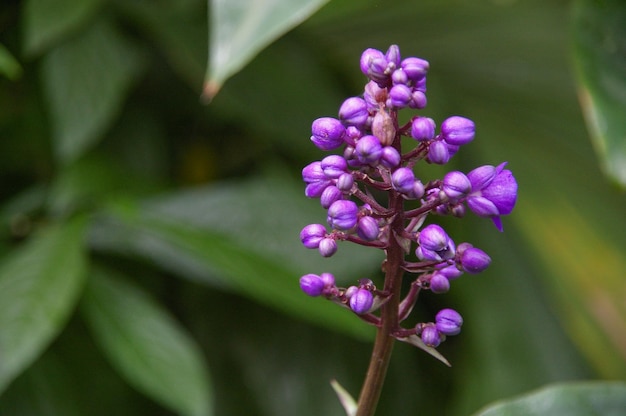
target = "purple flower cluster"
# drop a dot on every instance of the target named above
(372, 162)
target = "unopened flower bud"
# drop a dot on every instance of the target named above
(368, 150)
(361, 301)
(312, 234)
(354, 112)
(327, 133)
(312, 284)
(367, 57)
(328, 247)
(456, 185)
(439, 283)
(345, 182)
(330, 195)
(342, 214)
(457, 130)
(474, 260)
(350, 291)
(393, 55)
(418, 190)
(438, 152)
(328, 279)
(433, 238)
(415, 68)
(390, 157)
(333, 166)
(418, 99)
(367, 228)
(402, 180)
(423, 128)
(400, 96)
(383, 128)
(430, 336)
(448, 322)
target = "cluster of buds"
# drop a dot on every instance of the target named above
(373, 165)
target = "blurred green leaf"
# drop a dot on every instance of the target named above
(46, 22)
(240, 29)
(9, 65)
(87, 182)
(33, 393)
(86, 81)
(241, 237)
(599, 36)
(39, 286)
(589, 289)
(569, 399)
(179, 28)
(147, 345)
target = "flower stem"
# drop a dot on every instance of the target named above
(383, 345)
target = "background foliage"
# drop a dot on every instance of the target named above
(149, 242)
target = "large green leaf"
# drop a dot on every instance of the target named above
(86, 80)
(570, 399)
(240, 29)
(46, 22)
(600, 55)
(147, 345)
(241, 237)
(39, 286)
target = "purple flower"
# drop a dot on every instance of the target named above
(327, 133)
(456, 185)
(474, 260)
(430, 336)
(361, 301)
(434, 244)
(312, 284)
(333, 166)
(353, 111)
(448, 322)
(368, 149)
(423, 128)
(367, 228)
(312, 234)
(402, 180)
(418, 99)
(342, 214)
(457, 130)
(438, 152)
(393, 55)
(494, 192)
(345, 182)
(328, 247)
(390, 157)
(415, 68)
(328, 279)
(330, 195)
(439, 283)
(400, 96)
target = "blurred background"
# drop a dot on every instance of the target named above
(149, 241)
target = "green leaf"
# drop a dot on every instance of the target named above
(86, 80)
(239, 237)
(46, 22)
(39, 285)
(147, 346)
(179, 28)
(600, 56)
(9, 65)
(240, 29)
(33, 393)
(567, 399)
